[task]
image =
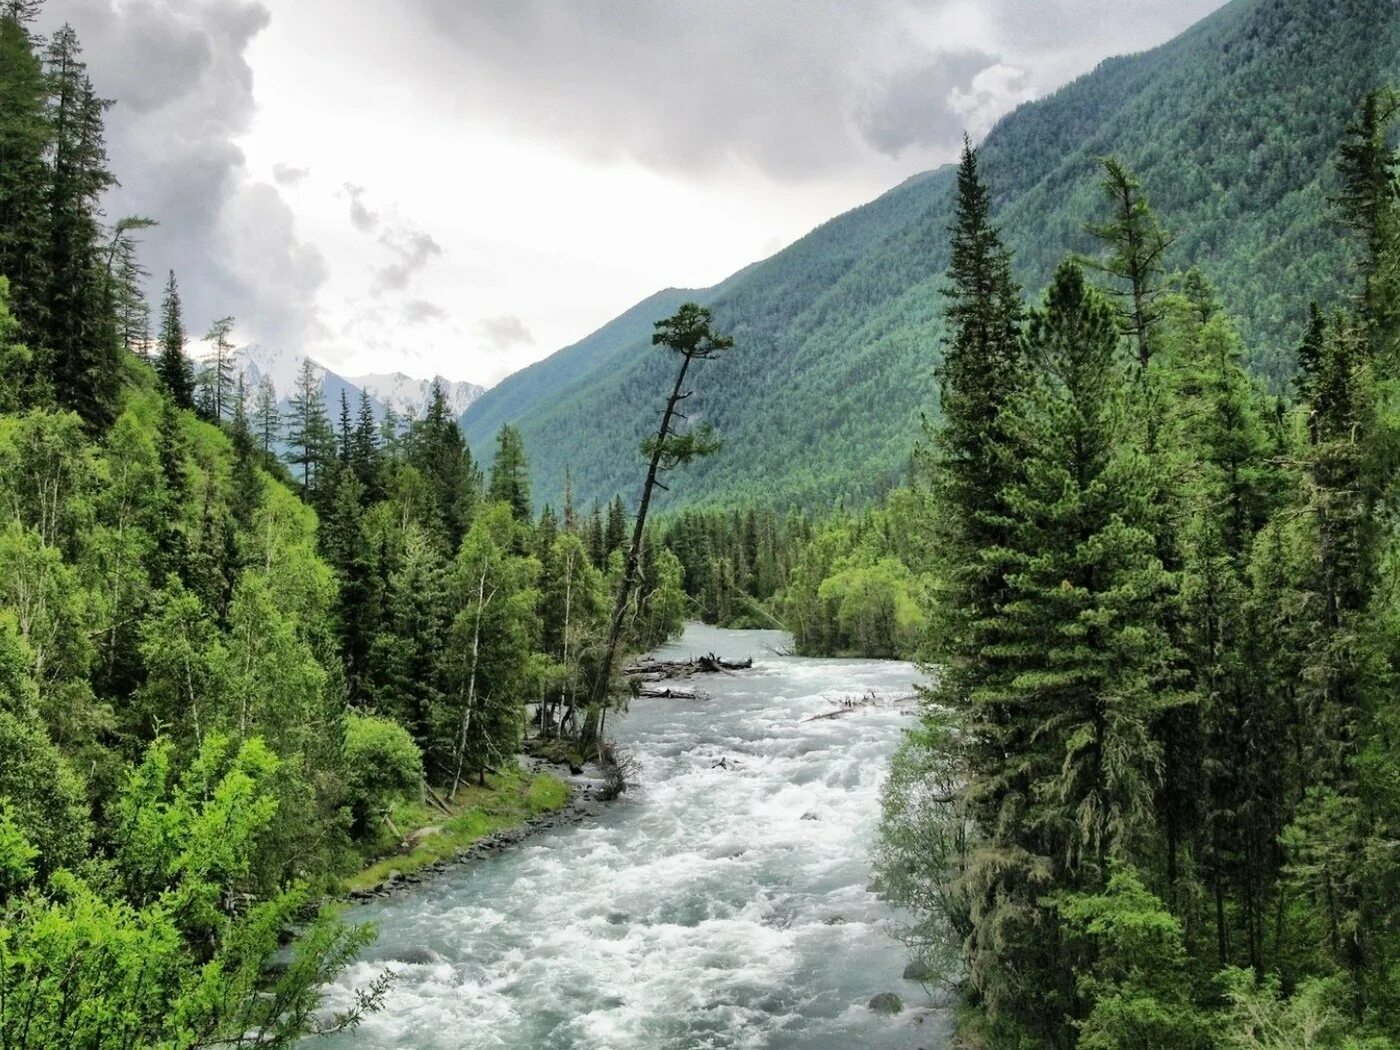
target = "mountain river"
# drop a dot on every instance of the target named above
(712, 906)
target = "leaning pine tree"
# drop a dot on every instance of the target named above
(688, 332)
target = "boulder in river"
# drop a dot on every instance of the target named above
(885, 1003)
(810, 815)
(419, 957)
(917, 970)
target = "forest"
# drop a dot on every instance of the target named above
(222, 674)
(1233, 124)
(1153, 796)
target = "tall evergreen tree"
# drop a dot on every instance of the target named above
(267, 418)
(218, 364)
(310, 440)
(1136, 246)
(25, 136)
(1085, 650)
(79, 338)
(171, 364)
(510, 474)
(439, 452)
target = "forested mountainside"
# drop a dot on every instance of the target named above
(225, 685)
(1231, 127)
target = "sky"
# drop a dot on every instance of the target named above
(462, 187)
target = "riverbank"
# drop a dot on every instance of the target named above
(511, 806)
(727, 896)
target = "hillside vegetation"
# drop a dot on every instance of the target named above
(1231, 127)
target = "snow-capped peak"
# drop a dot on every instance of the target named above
(407, 394)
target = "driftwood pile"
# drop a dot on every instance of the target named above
(647, 673)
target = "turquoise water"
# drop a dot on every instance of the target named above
(701, 910)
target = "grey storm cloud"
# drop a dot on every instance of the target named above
(361, 217)
(184, 93)
(505, 333)
(413, 250)
(795, 88)
(914, 106)
(289, 174)
(416, 311)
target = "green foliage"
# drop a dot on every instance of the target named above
(382, 764)
(1231, 129)
(1138, 980)
(1154, 797)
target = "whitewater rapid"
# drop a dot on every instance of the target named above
(700, 911)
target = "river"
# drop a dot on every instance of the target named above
(700, 911)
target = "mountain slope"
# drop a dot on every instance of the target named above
(1232, 127)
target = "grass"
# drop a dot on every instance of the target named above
(508, 800)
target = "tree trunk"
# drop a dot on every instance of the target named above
(592, 732)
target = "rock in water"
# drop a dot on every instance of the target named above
(885, 1003)
(917, 970)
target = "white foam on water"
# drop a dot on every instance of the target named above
(702, 911)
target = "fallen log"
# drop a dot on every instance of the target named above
(656, 670)
(668, 693)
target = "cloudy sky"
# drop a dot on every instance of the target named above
(464, 186)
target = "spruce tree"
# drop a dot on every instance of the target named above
(1084, 650)
(171, 364)
(78, 337)
(437, 448)
(311, 444)
(218, 364)
(510, 473)
(364, 450)
(25, 136)
(1136, 246)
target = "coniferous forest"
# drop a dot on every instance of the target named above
(1152, 798)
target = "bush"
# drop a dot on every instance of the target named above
(382, 764)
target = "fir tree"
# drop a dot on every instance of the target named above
(267, 418)
(79, 336)
(1136, 247)
(510, 474)
(171, 364)
(218, 366)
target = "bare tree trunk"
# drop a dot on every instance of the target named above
(471, 680)
(594, 725)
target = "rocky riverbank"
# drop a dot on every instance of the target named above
(586, 792)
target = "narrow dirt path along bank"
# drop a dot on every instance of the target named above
(723, 902)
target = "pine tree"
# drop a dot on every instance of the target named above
(1136, 247)
(267, 418)
(311, 444)
(171, 364)
(25, 136)
(689, 333)
(510, 473)
(218, 366)
(79, 336)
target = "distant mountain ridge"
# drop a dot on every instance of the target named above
(406, 395)
(1233, 128)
